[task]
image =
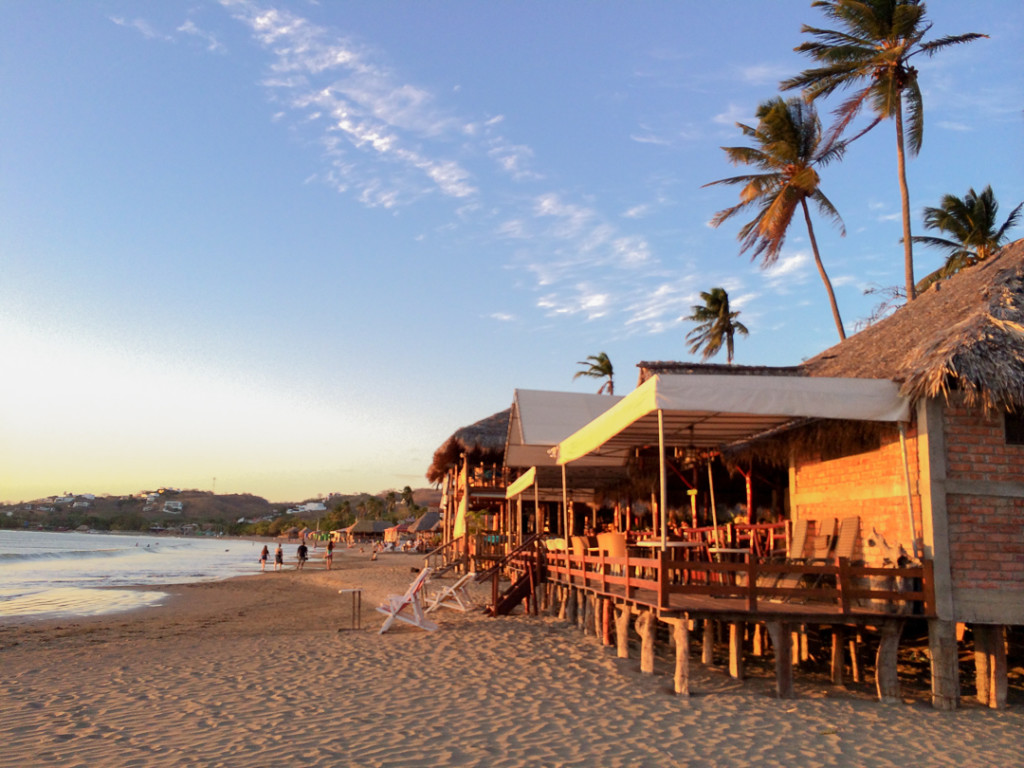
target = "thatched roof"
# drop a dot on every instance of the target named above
(965, 333)
(428, 521)
(482, 441)
(368, 526)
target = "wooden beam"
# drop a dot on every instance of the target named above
(838, 638)
(707, 651)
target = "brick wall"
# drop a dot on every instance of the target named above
(870, 485)
(986, 525)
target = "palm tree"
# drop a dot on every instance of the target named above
(717, 325)
(598, 367)
(871, 51)
(970, 223)
(788, 146)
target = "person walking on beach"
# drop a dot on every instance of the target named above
(263, 557)
(300, 555)
(329, 554)
(279, 558)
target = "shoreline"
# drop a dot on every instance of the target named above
(264, 668)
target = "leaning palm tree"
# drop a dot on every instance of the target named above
(716, 325)
(598, 367)
(788, 146)
(973, 233)
(871, 51)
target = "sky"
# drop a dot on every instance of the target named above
(287, 247)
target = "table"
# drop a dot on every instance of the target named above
(357, 604)
(672, 544)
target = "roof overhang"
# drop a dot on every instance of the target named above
(541, 419)
(712, 411)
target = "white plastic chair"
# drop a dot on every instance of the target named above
(408, 607)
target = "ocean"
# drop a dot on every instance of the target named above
(64, 575)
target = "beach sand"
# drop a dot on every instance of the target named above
(263, 671)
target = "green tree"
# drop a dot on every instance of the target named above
(716, 325)
(972, 232)
(787, 147)
(598, 367)
(871, 52)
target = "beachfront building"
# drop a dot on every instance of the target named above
(933, 475)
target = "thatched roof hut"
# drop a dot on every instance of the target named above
(964, 334)
(428, 522)
(482, 442)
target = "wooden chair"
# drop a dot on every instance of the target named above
(453, 596)
(408, 607)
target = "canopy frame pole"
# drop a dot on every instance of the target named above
(906, 480)
(565, 509)
(538, 522)
(663, 509)
(711, 493)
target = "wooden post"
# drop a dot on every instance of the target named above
(855, 642)
(570, 606)
(707, 651)
(681, 636)
(598, 608)
(942, 647)
(838, 637)
(982, 657)
(887, 679)
(757, 640)
(606, 621)
(736, 650)
(622, 615)
(780, 634)
(645, 627)
(998, 681)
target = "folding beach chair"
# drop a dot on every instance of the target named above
(408, 607)
(453, 595)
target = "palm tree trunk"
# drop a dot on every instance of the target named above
(901, 163)
(821, 271)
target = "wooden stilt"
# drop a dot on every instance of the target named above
(681, 638)
(780, 634)
(606, 621)
(598, 616)
(707, 651)
(998, 681)
(855, 642)
(622, 615)
(805, 653)
(795, 643)
(571, 607)
(982, 657)
(757, 640)
(736, 650)
(645, 627)
(942, 647)
(838, 638)
(887, 679)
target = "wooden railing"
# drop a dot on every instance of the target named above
(666, 584)
(448, 555)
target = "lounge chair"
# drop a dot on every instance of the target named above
(796, 543)
(408, 607)
(453, 596)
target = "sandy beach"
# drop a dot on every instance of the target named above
(264, 670)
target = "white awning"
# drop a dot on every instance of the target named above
(541, 419)
(711, 411)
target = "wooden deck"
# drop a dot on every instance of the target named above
(746, 591)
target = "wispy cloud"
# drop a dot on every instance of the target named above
(212, 43)
(386, 141)
(143, 27)
(764, 74)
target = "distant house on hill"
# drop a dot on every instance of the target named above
(173, 507)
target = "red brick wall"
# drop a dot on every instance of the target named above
(986, 533)
(870, 485)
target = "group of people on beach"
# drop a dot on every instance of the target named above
(301, 556)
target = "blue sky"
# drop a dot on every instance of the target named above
(287, 248)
